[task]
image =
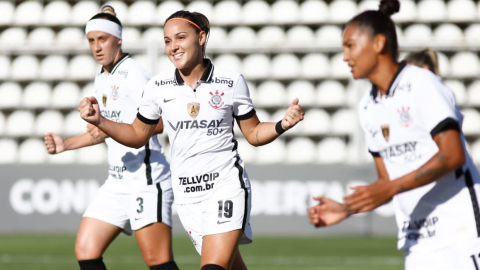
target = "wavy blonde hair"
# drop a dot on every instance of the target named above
(426, 57)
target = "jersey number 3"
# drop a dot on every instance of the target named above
(140, 205)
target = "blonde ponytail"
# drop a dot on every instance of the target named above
(107, 9)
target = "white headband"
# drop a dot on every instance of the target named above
(105, 26)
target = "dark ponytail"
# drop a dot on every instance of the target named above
(379, 22)
(389, 7)
(198, 19)
(107, 13)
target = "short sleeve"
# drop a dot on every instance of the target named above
(242, 103)
(435, 105)
(149, 111)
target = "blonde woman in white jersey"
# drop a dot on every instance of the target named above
(426, 58)
(412, 127)
(199, 104)
(138, 192)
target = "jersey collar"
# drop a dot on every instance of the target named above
(206, 77)
(116, 64)
(390, 91)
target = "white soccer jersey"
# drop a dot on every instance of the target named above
(399, 127)
(199, 123)
(119, 94)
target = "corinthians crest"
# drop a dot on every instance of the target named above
(216, 100)
(104, 100)
(115, 92)
(385, 132)
(193, 109)
(405, 117)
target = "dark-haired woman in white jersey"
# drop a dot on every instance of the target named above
(412, 127)
(137, 195)
(199, 104)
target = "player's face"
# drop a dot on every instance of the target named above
(104, 47)
(183, 44)
(358, 51)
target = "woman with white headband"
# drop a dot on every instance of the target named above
(137, 194)
(199, 104)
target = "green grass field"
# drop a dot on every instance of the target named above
(54, 252)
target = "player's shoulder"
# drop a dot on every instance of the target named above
(419, 76)
(421, 81)
(131, 63)
(226, 77)
(131, 67)
(164, 78)
(220, 71)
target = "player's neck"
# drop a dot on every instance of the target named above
(383, 75)
(109, 67)
(191, 75)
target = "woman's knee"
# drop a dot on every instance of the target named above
(155, 243)
(93, 238)
(151, 258)
(85, 250)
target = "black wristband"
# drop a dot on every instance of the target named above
(278, 127)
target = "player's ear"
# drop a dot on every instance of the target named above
(202, 38)
(379, 43)
(119, 42)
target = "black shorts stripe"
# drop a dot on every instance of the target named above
(242, 184)
(473, 197)
(148, 166)
(240, 172)
(159, 203)
(245, 213)
(235, 145)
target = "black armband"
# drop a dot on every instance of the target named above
(444, 125)
(146, 120)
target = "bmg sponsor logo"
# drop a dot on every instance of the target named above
(227, 81)
(165, 82)
(48, 196)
